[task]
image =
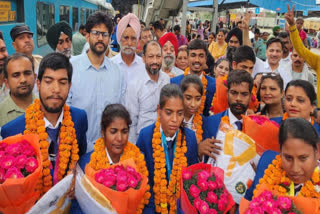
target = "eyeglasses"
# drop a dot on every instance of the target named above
(96, 34)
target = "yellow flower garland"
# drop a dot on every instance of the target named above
(197, 120)
(99, 160)
(165, 193)
(68, 146)
(275, 179)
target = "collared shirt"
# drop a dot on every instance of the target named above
(142, 98)
(233, 119)
(4, 92)
(264, 67)
(136, 68)
(9, 110)
(109, 158)
(93, 89)
(168, 138)
(261, 48)
(285, 61)
(304, 75)
(189, 123)
(176, 71)
(48, 124)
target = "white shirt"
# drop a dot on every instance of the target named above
(285, 61)
(304, 75)
(168, 138)
(136, 67)
(264, 67)
(233, 119)
(142, 98)
(189, 123)
(109, 158)
(176, 71)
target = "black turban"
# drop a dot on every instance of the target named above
(54, 32)
(235, 32)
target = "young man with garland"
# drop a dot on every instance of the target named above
(197, 58)
(239, 84)
(61, 129)
(168, 148)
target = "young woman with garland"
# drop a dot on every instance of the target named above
(299, 101)
(113, 147)
(168, 147)
(193, 101)
(295, 171)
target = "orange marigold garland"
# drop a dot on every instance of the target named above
(286, 116)
(165, 193)
(68, 146)
(275, 179)
(197, 120)
(99, 160)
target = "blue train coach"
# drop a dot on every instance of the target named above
(39, 15)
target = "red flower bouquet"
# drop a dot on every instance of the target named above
(266, 202)
(121, 184)
(203, 191)
(20, 169)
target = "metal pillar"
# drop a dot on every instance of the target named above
(214, 20)
(184, 17)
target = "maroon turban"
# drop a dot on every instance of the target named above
(172, 38)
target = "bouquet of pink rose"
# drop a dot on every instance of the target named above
(119, 178)
(20, 170)
(121, 184)
(266, 202)
(203, 190)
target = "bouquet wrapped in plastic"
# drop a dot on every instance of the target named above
(238, 150)
(20, 170)
(267, 201)
(263, 131)
(203, 191)
(120, 184)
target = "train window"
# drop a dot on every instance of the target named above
(11, 11)
(75, 18)
(64, 13)
(45, 18)
(82, 16)
(87, 13)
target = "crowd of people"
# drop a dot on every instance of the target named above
(122, 85)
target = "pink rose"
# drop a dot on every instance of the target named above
(197, 203)
(284, 203)
(122, 176)
(121, 186)
(269, 205)
(3, 146)
(20, 161)
(118, 168)
(221, 205)
(131, 170)
(132, 182)
(7, 162)
(204, 208)
(109, 181)
(212, 197)
(137, 176)
(203, 184)
(2, 153)
(212, 211)
(275, 211)
(100, 177)
(14, 173)
(186, 175)
(254, 204)
(212, 185)
(13, 149)
(203, 175)
(257, 210)
(27, 149)
(2, 175)
(266, 195)
(219, 183)
(31, 164)
(194, 191)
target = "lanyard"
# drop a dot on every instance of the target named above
(166, 152)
